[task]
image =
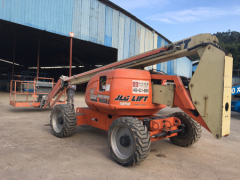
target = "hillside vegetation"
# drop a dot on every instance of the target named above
(230, 41)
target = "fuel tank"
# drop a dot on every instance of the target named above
(125, 92)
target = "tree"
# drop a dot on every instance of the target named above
(230, 41)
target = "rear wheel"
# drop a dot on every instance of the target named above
(191, 131)
(63, 120)
(128, 141)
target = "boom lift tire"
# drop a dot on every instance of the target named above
(192, 131)
(63, 120)
(128, 141)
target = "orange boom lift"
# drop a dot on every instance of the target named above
(123, 99)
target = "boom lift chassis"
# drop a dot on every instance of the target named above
(122, 99)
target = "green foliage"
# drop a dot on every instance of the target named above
(230, 41)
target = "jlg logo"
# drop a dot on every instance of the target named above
(185, 42)
(122, 98)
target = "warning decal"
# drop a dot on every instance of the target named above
(92, 96)
(140, 87)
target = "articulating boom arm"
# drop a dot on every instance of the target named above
(208, 100)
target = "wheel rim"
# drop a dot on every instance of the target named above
(57, 121)
(185, 132)
(122, 142)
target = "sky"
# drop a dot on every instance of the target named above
(180, 19)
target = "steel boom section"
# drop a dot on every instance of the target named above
(166, 53)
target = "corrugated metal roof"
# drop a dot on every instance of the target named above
(53, 16)
(121, 35)
(118, 8)
(101, 23)
(93, 21)
(132, 38)
(108, 27)
(115, 29)
(54, 48)
(126, 37)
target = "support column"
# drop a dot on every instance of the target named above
(71, 34)
(38, 56)
(70, 63)
(14, 51)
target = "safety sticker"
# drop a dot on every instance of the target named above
(125, 103)
(103, 96)
(140, 87)
(107, 87)
(93, 97)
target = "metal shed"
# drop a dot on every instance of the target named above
(99, 22)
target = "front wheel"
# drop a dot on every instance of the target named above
(63, 120)
(191, 130)
(128, 141)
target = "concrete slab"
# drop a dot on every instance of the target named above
(28, 150)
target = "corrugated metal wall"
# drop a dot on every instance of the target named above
(236, 80)
(91, 21)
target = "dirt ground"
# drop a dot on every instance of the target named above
(28, 150)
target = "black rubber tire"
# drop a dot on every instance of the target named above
(192, 131)
(141, 141)
(69, 120)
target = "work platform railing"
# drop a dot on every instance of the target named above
(33, 93)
